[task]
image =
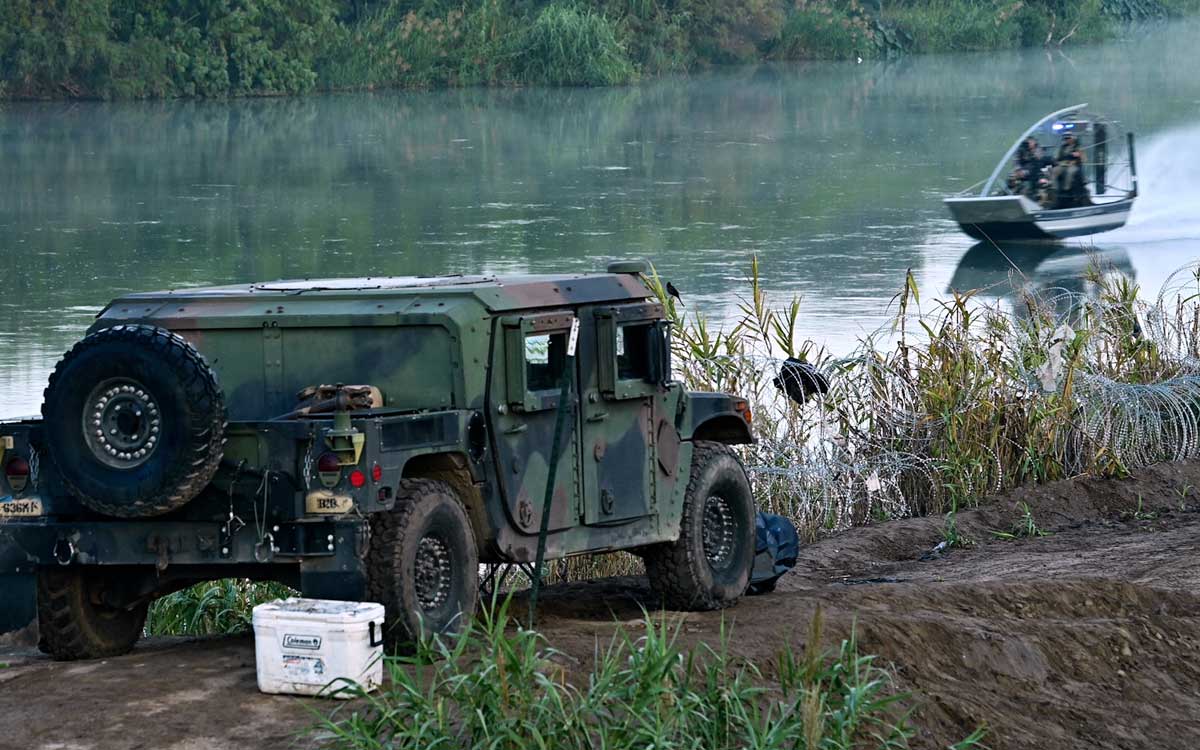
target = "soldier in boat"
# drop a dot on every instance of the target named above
(1030, 161)
(1069, 182)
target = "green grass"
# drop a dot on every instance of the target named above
(211, 608)
(570, 46)
(502, 687)
(951, 535)
(1025, 527)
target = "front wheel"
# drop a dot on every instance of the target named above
(423, 566)
(78, 620)
(708, 567)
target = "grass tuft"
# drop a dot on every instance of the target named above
(570, 46)
(502, 687)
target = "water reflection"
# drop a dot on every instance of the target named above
(1012, 271)
(831, 173)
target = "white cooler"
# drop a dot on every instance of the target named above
(302, 646)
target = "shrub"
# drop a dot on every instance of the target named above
(183, 48)
(731, 32)
(959, 25)
(824, 31)
(570, 46)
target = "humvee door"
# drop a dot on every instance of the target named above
(527, 374)
(620, 386)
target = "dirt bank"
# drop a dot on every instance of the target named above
(1086, 637)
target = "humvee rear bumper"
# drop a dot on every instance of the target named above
(323, 558)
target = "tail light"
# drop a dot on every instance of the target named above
(329, 469)
(357, 479)
(743, 408)
(17, 472)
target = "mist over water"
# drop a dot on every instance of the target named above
(831, 173)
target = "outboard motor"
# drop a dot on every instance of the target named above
(800, 380)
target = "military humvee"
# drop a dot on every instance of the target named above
(372, 439)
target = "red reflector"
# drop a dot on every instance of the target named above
(357, 478)
(328, 463)
(376, 472)
(18, 467)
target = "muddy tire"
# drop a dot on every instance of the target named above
(708, 567)
(75, 623)
(134, 421)
(422, 564)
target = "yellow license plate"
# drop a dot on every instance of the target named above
(25, 508)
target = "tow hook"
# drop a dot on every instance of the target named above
(162, 551)
(64, 551)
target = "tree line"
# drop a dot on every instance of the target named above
(111, 49)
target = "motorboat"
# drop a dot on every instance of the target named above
(1030, 195)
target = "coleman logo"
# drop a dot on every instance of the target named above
(306, 642)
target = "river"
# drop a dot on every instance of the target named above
(831, 173)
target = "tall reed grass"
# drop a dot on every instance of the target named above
(958, 400)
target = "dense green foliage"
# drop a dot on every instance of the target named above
(212, 48)
(504, 689)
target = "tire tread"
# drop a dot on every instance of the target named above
(206, 432)
(670, 566)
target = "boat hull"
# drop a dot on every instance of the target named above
(1014, 217)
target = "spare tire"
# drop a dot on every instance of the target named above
(134, 421)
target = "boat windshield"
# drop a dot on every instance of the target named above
(1068, 159)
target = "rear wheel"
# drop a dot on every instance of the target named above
(422, 564)
(708, 567)
(77, 619)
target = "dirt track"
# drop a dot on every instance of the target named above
(1088, 637)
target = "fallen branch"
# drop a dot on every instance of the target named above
(1069, 35)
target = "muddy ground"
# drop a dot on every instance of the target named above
(1085, 638)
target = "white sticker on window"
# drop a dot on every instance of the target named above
(571, 342)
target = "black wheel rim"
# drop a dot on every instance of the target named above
(121, 423)
(433, 574)
(719, 532)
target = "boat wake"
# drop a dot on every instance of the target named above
(1168, 204)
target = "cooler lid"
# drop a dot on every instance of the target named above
(319, 610)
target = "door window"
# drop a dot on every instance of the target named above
(545, 358)
(633, 351)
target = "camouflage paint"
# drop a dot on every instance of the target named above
(448, 355)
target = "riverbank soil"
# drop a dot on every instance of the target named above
(1088, 636)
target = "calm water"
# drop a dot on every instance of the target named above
(831, 173)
